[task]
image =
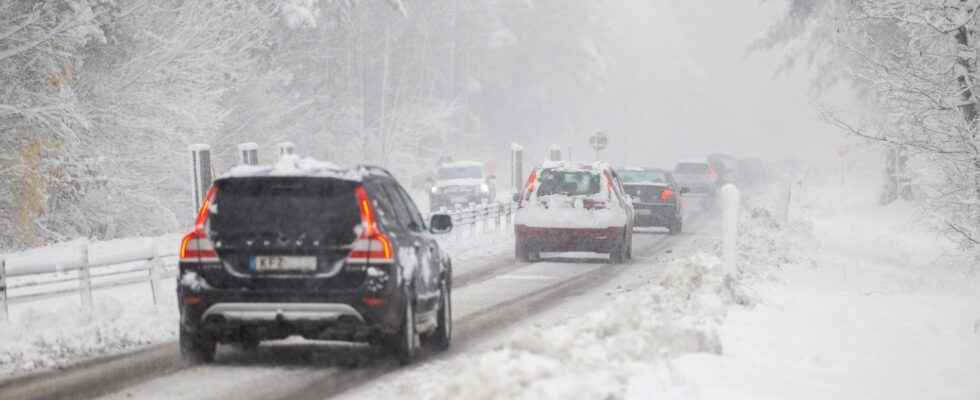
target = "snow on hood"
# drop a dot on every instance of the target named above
(293, 165)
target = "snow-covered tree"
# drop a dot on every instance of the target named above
(916, 62)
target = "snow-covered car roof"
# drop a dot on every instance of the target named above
(576, 166)
(296, 166)
(693, 161)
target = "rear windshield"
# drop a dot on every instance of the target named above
(642, 176)
(569, 183)
(446, 173)
(692, 168)
(287, 208)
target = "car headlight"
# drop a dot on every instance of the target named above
(435, 190)
(484, 188)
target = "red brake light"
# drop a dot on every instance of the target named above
(667, 194)
(372, 246)
(195, 247)
(531, 180)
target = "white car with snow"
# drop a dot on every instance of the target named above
(573, 207)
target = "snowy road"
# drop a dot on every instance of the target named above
(497, 293)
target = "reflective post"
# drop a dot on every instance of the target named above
(554, 153)
(201, 173)
(286, 148)
(248, 154)
(516, 167)
(730, 200)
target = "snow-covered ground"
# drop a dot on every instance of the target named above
(57, 331)
(846, 300)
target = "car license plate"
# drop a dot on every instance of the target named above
(459, 199)
(643, 211)
(283, 264)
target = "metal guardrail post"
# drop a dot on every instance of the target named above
(85, 279)
(154, 275)
(4, 315)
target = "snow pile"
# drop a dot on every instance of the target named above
(864, 302)
(294, 165)
(53, 333)
(607, 353)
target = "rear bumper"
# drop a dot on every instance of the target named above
(289, 312)
(660, 215)
(229, 314)
(599, 240)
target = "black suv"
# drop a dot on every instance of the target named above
(316, 251)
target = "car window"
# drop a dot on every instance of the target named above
(401, 211)
(567, 182)
(383, 204)
(413, 211)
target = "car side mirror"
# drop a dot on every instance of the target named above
(440, 223)
(516, 198)
(685, 190)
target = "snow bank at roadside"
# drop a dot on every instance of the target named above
(627, 346)
(56, 332)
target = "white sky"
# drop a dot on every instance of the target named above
(682, 86)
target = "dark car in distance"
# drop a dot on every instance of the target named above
(317, 251)
(655, 197)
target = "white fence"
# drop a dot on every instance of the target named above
(81, 266)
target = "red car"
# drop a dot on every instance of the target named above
(574, 207)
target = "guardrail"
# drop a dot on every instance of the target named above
(81, 266)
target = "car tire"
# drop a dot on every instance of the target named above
(197, 348)
(405, 343)
(443, 336)
(618, 253)
(520, 250)
(629, 244)
(676, 226)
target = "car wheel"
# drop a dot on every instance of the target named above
(443, 335)
(197, 348)
(629, 245)
(520, 250)
(618, 253)
(676, 226)
(405, 343)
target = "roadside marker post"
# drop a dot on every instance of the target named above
(248, 154)
(202, 173)
(286, 148)
(516, 167)
(730, 200)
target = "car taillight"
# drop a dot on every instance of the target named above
(372, 246)
(531, 180)
(195, 247)
(590, 204)
(667, 194)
